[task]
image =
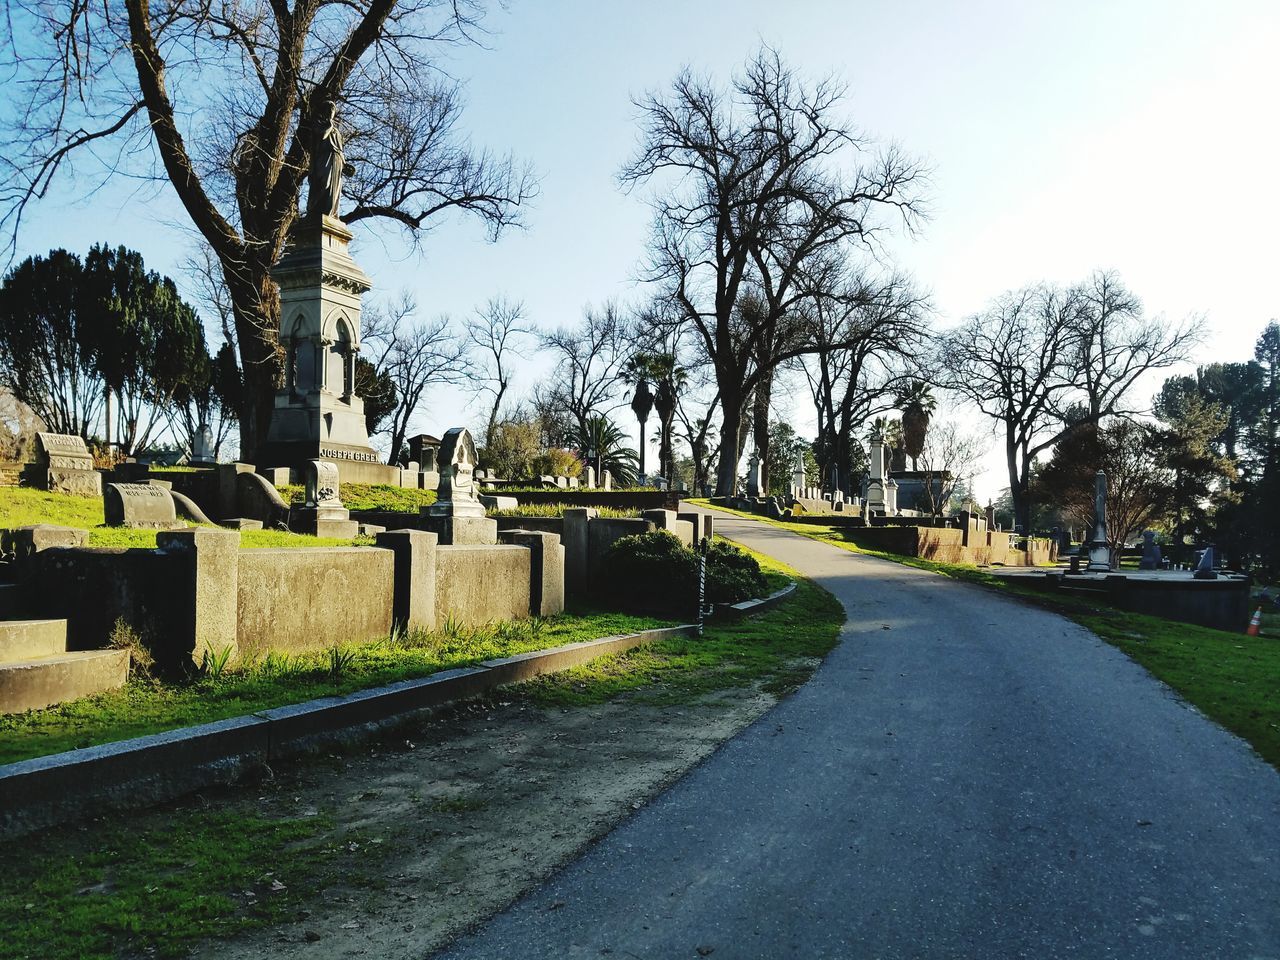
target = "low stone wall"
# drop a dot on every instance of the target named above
(618, 499)
(481, 584)
(312, 598)
(946, 545)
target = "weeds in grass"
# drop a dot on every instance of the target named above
(124, 637)
(214, 662)
(341, 660)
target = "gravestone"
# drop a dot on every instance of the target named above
(1205, 571)
(202, 446)
(457, 517)
(607, 480)
(753, 476)
(573, 483)
(317, 413)
(561, 482)
(63, 464)
(590, 474)
(322, 514)
(882, 493)
(1151, 559)
(144, 506)
(1099, 547)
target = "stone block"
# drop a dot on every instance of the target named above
(139, 505)
(574, 540)
(661, 519)
(461, 531)
(24, 542)
(277, 476)
(481, 583)
(210, 559)
(414, 595)
(697, 521)
(546, 569)
(28, 639)
(229, 488)
(369, 529)
(492, 501)
(33, 684)
(313, 598)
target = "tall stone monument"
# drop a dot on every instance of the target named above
(882, 492)
(1099, 546)
(753, 476)
(317, 414)
(457, 517)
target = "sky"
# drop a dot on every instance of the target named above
(1063, 137)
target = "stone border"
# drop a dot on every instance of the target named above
(63, 787)
(733, 612)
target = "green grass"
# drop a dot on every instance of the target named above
(370, 496)
(777, 650)
(144, 707)
(112, 890)
(21, 507)
(558, 509)
(156, 885)
(1230, 677)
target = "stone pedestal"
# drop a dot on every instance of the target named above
(461, 531)
(317, 414)
(323, 514)
(457, 517)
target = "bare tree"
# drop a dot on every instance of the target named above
(951, 454)
(219, 100)
(1045, 361)
(497, 331)
(590, 357)
(756, 187)
(415, 354)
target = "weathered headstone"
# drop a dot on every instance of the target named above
(753, 476)
(322, 514)
(1151, 559)
(1099, 547)
(202, 446)
(573, 483)
(590, 474)
(145, 506)
(1205, 569)
(63, 464)
(607, 480)
(457, 517)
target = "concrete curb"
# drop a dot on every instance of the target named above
(63, 787)
(733, 612)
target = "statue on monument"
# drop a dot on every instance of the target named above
(328, 164)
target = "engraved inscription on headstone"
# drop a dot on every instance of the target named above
(63, 464)
(139, 505)
(322, 484)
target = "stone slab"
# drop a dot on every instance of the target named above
(38, 683)
(140, 506)
(461, 531)
(29, 639)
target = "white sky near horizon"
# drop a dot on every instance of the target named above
(1135, 135)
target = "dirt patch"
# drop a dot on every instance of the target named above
(459, 816)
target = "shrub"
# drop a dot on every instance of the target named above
(732, 574)
(655, 571)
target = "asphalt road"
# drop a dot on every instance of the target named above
(963, 777)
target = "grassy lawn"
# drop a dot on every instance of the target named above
(369, 496)
(155, 885)
(21, 507)
(558, 509)
(1233, 678)
(143, 706)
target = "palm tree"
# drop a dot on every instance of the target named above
(917, 403)
(890, 432)
(607, 443)
(670, 378)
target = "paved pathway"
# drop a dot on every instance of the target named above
(963, 777)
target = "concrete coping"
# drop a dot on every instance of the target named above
(749, 608)
(63, 787)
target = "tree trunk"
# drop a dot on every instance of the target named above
(256, 304)
(731, 426)
(760, 426)
(642, 446)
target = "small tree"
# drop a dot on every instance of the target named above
(497, 333)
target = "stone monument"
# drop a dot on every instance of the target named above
(1151, 559)
(457, 517)
(202, 446)
(1099, 547)
(753, 476)
(144, 506)
(317, 414)
(1205, 571)
(322, 514)
(882, 492)
(63, 464)
(798, 475)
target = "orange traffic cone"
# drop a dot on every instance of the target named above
(1255, 623)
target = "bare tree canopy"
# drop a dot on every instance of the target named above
(217, 99)
(1046, 360)
(497, 332)
(590, 359)
(754, 188)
